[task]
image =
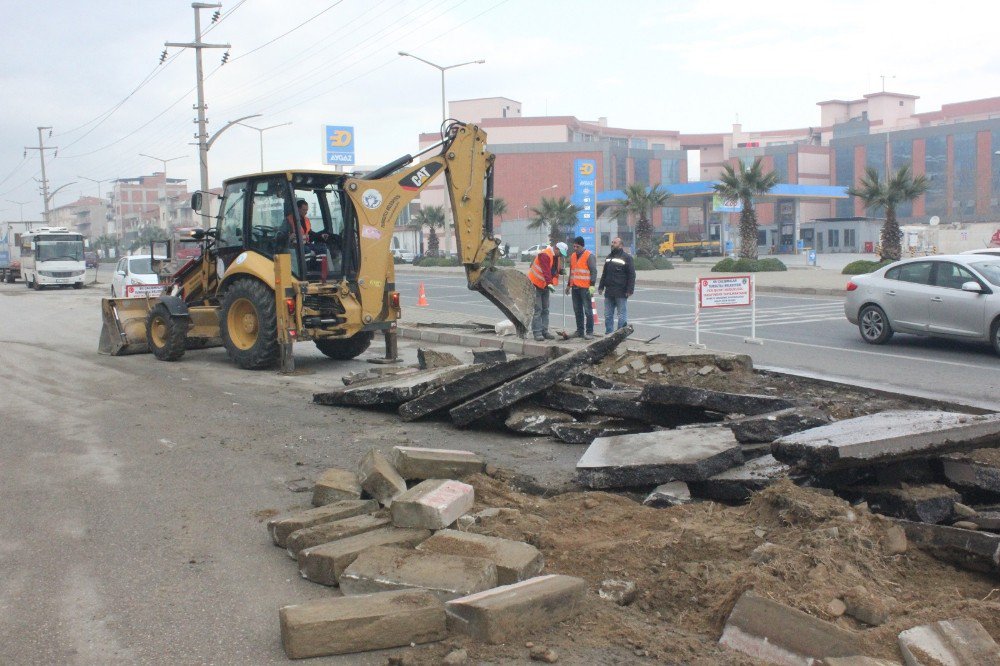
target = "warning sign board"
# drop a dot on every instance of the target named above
(141, 290)
(724, 292)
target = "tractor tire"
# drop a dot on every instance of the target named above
(249, 324)
(10, 277)
(344, 349)
(165, 333)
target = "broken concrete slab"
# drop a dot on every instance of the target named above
(587, 432)
(674, 493)
(987, 520)
(762, 428)
(414, 463)
(379, 478)
(324, 563)
(428, 359)
(374, 374)
(474, 382)
(739, 483)
(978, 469)
(647, 459)
(925, 503)
(280, 527)
(586, 379)
(515, 560)
(537, 380)
(531, 420)
(949, 643)
(489, 356)
(509, 612)
(619, 403)
(432, 504)
(775, 633)
(334, 485)
(446, 576)
(717, 401)
(978, 551)
(327, 532)
(891, 435)
(390, 391)
(358, 624)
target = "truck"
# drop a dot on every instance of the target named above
(52, 257)
(670, 246)
(268, 277)
(10, 263)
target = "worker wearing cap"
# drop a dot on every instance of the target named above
(582, 278)
(544, 275)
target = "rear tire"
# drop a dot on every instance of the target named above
(10, 277)
(35, 285)
(249, 324)
(995, 336)
(344, 349)
(874, 325)
(165, 333)
(78, 285)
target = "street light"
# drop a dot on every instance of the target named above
(19, 203)
(546, 189)
(48, 199)
(260, 133)
(106, 180)
(442, 69)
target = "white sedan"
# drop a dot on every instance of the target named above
(134, 276)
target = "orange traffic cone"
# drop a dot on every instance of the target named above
(422, 296)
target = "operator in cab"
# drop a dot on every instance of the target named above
(316, 244)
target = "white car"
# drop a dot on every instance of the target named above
(532, 252)
(403, 255)
(134, 276)
(995, 251)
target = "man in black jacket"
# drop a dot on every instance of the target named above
(617, 284)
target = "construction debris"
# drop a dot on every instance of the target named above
(428, 359)
(669, 494)
(929, 503)
(515, 561)
(672, 395)
(282, 526)
(379, 478)
(445, 576)
(327, 532)
(739, 483)
(949, 643)
(587, 432)
(334, 485)
(978, 551)
(325, 563)
(978, 469)
(391, 391)
(530, 420)
(414, 463)
(433, 504)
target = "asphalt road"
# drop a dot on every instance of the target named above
(803, 334)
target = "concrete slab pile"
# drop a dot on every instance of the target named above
(338, 529)
(739, 483)
(975, 470)
(433, 504)
(671, 395)
(928, 503)
(532, 420)
(949, 643)
(587, 431)
(970, 549)
(280, 527)
(515, 561)
(445, 576)
(334, 485)
(414, 463)
(391, 391)
(325, 563)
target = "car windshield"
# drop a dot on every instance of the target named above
(989, 269)
(140, 265)
(60, 250)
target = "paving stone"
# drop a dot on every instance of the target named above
(432, 504)
(476, 381)
(978, 551)
(669, 494)
(327, 532)
(779, 634)
(509, 612)
(324, 563)
(428, 359)
(637, 363)
(739, 483)
(392, 390)
(955, 642)
(446, 576)
(379, 478)
(587, 432)
(358, 624)
(928, 503)
(884, 437)
(417, 463)
(489, 356)
(280, 527)
(334, 485)
(532, 420)
(717, 401)
(978, 469)
(537, 380)
(646, 459)
(515, 561)
(772, 425)
(656, 367)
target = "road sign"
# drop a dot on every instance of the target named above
(141, 290)
(338, 144)
(723, 292)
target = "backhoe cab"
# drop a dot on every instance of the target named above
(275, 270)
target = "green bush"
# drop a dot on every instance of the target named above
(662, 264)
(729, 265)
(688, 257)
(506, 262)
(643, 264)
(862, 266)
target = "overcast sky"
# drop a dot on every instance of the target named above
(687, 65)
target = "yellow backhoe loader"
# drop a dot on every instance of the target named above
(301, 256)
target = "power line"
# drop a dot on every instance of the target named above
(285, 34)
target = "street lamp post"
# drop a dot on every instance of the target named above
(98, 182)
(18, 203)
(51, 196)
(442, 69)
(260, 132)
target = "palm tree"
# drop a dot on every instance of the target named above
(640, 201)
(896, 189)
(499, 208)
(106, 242)
(559, 215)
(146, 235)
(743, 185)
(431, 217)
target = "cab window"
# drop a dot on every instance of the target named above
(231, 219)
(269, 208)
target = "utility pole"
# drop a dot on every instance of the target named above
(41, 148)
(202, 121)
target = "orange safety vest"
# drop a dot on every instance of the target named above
(535, 274)
(579, 269)
(306, 225)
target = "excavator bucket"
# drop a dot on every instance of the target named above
(509, 290)
(124, 329)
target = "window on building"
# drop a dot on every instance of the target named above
(639, 143)
(762, 237)
(851, 238)
(833, 238)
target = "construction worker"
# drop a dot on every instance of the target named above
(618, 280)
(582, 278)
(544, 275)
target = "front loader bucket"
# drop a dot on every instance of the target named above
(509, 290)
(124, 329)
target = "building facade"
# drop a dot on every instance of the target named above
(87, 215)
(149, 201)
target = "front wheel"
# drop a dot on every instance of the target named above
(35, 285)
(249, 324)
(166, 333)
(995, 336)
(78, 285)
(874, 325)
(344, 349)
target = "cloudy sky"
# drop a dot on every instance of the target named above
(88, 69)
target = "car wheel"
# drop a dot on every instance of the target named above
(995, 336)
(874, 325)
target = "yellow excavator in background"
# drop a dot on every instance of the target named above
(267, 277)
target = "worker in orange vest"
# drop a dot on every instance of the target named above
(582, 278)
(544, 275)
